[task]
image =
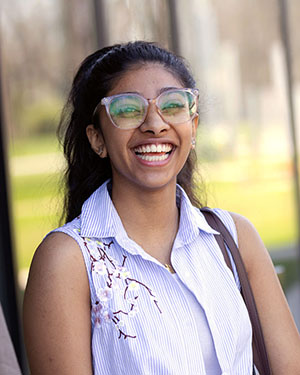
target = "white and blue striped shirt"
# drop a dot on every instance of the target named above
(147, 321)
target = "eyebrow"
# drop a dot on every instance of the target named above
(163, 89)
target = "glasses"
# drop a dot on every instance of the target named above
(129, 110)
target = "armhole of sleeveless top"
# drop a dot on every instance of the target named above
(73, 234)
(230, 225)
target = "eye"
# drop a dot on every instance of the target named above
(171, 106)
(126, 111)
(126, 106)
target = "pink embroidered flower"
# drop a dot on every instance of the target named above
(97, 307)
(107, 315)
(98, 321)
(121, 272)
(133, 286)
(100, 267)
(115, 286)
(96, 310)
(118, 281)
(105, 294)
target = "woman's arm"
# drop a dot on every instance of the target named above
(280, 332)
(57, 319)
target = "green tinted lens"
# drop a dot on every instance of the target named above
(127, 111)
(177, 106)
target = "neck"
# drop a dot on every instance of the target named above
(150, 217)
(152, 207)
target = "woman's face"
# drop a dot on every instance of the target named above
(128, 149)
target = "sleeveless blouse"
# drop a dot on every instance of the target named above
(145, 320)
(211, 363)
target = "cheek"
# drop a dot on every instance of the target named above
(187, 134)
(116, 142)
(106, 126)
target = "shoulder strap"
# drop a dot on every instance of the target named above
(259, 348)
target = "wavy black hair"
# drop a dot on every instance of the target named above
(96, 76)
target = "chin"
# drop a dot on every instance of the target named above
(148, 181)
(156, 184)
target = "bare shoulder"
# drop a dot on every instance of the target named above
(57, 243)
(56, 259)
(56, 249)
(57, 286)
(57, 264)
(280, 333)
(244, 227)
(251, 246)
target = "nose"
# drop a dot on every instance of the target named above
(153, 122)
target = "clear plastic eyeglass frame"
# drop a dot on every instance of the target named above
(106, 101)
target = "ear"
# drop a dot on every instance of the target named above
(96, 141)
(195, 123)
(194, 131)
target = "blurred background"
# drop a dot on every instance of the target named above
(245, 55)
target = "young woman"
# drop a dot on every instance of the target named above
(134, 282)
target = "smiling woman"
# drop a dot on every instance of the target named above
(136, 272)
(146, 128)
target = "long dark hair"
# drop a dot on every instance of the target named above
(95, 78)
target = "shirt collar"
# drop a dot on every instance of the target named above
(100, 219)
(191, 219)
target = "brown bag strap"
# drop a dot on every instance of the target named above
(259, 349)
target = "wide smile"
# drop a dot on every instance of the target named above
(154, 153)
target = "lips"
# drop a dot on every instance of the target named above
(153, 152)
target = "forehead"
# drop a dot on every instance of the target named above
(147, 79)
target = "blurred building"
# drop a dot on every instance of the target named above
(235, 51)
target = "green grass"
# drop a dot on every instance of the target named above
(260, 190)
(35, 186)
(29, 233)
(36, 210)
(268, 204)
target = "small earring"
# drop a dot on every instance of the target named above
(100, 151)
(193, 143)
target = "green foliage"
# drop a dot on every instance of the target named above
(41, 116)
(34, 145)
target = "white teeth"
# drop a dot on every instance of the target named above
(165, 147)
(153, 157)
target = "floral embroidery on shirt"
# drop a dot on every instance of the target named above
(118, 279)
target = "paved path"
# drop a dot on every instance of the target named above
(36, 164)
